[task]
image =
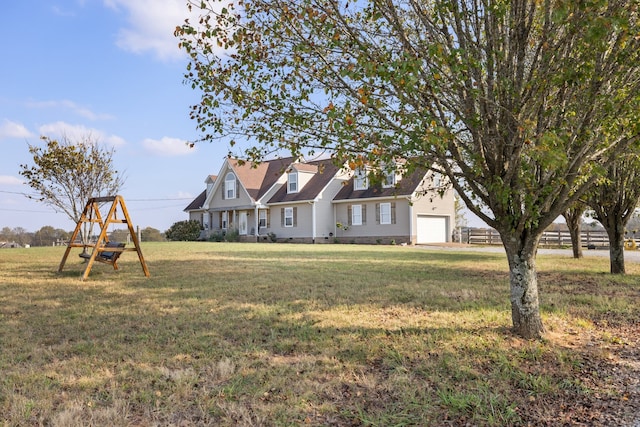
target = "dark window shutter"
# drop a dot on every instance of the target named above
(349, 215)
(377, 213)
(364, 214)
(237, 189)
(282, 217)
(295, 217)
(224, 193)
(393, 212)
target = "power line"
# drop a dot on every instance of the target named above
(128, 200)
(16, 192)
(159, 200)
(156, 207)
(27, 210)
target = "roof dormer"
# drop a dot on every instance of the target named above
(299, 175)
(210, 181)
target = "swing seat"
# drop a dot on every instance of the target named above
(107, 257)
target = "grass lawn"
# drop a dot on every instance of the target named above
(283, 335)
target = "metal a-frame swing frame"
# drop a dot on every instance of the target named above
(103, 250)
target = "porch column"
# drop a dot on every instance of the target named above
(413, 240)
(256, 222)
(313, 221)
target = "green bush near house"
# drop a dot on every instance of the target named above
(188, 230)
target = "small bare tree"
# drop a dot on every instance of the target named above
(65, 174)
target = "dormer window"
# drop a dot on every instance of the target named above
(437, 180)
(389, 179)
(230, 186)
(360, 180)
(292, 182)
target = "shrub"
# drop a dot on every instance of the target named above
(217, 236)
(184, 231)
(233, 235)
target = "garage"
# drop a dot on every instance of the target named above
(431, 229)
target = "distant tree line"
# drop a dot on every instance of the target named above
(49, 236)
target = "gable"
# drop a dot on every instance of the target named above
(258, 179)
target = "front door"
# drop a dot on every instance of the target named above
(242, 224)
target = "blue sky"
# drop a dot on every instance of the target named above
(112, 69)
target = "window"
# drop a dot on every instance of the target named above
(360, 181)
(385, 213)
(230, 186)
(223, 220)
(356, 215)
(288, 217)
(262, 219)
(437, 180)
(293, 182)
(389, 179)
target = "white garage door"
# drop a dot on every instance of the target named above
(432, 229)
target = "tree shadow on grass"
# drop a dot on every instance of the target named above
(410, 345)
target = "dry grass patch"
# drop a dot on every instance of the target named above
(266, 334)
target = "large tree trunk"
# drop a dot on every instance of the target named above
(573, 217)
(573, 224)
(615, 231)
(525, 306)
(576, 239)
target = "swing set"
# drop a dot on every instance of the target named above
(103, 250)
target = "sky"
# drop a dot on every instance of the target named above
(111, 69)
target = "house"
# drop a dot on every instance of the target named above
(402, 209)
(290, 200)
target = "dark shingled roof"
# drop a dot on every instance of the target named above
(326, 170)
(197, 202)
(405, 187)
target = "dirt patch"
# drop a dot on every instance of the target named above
(610, 369)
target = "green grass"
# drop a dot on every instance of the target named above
(277, 334)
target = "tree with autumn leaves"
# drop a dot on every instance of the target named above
(522, 103)
(66, 173)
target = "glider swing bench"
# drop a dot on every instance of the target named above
(103, 250)
(107, 257)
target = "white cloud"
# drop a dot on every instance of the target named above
(9, 129)
(70, 105)
(167, 147)
(10, 180)
(78, 133)
(151, 24)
